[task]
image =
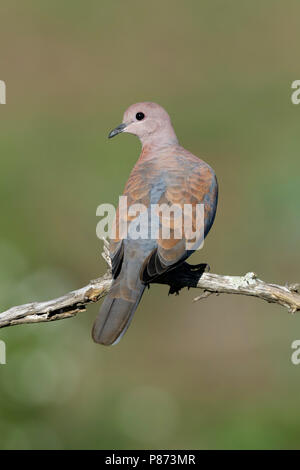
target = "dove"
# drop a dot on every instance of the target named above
(165, 174)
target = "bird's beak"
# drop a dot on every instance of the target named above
(117, 130)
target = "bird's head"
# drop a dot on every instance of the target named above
(148, 121)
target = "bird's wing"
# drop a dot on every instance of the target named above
(182, 181)
(194, 183)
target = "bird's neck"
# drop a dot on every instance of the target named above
(161, 138)
(152, 151)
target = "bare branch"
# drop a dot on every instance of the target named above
(63, 307)
(76, 301)
(287, 296)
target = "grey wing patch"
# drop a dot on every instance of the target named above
(154, 265)
(157, 190)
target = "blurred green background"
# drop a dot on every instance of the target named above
(212, 374)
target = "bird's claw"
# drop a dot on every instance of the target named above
(174, 289)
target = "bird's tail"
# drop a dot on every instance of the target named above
(117, 310)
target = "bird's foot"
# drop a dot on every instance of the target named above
(174, 289)
(184, 275)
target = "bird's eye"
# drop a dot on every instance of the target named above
(140, 116)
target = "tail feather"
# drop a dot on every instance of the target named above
(115, 316)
